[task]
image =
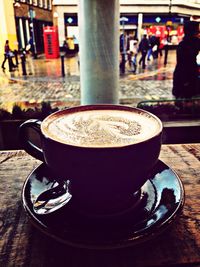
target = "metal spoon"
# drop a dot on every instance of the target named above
(52, 199)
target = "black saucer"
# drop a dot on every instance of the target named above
(162, 199)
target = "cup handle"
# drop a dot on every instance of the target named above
(27, 145)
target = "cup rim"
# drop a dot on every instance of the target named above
(100, 107)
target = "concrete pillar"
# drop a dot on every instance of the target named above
(139, 30)
(99, 51)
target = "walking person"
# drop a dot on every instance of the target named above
(157, 50)
(185, 77)
(134, 56)
(143, 48)
(8, 54)
(161, 46)
(30, 46)
(152, 43)
(65, 47)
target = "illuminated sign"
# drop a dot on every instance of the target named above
(158, 19)
(70, 20)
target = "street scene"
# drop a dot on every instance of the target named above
(44, 82)
(44, 60)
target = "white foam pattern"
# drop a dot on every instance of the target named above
(101, 128)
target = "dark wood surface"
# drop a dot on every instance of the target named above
(21, 244)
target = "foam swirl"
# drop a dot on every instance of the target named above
(101, 128)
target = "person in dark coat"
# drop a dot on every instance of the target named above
(143, 48)
(8, 54)
(152, 43)
(185, 76)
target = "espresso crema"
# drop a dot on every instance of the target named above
(100, 128)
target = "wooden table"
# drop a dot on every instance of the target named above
(21, 244)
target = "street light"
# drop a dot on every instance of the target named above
(15, 6)
(123, 20)
(166, 48)
(32, 16)
(170, 7)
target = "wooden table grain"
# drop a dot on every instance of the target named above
(21, 244)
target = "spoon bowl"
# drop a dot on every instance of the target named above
(52, 199)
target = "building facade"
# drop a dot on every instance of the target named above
(24, 20)
(140, 15)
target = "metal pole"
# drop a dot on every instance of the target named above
(166, 48)
(34, 44)
(123, 20)
(10, 63)
(170, 6)
(99, 51)
(23, 61)
(31, 14)
(62, 64)
(16, 57)
(139, 28)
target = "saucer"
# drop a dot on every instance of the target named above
(162, 200)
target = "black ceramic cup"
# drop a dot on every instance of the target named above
(106, 151)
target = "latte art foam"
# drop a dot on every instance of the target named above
(100, 128)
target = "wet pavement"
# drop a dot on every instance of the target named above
(44, 82)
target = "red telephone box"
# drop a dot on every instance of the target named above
(51, 43)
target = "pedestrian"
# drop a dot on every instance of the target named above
(143, 48)
(152, 44)
(123, 50)
(158, 51)
(161, 46)
(134, 52)
(8, 54)
(76, 44)
(30, 46)
(129, 58)
(65, 47)
(185, 76)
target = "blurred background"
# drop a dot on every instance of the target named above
(25, 19)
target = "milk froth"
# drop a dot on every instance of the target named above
(100, 128)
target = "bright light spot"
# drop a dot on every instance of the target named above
(70, 20)
(68, 96)
(157, 19)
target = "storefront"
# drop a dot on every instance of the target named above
(72, 31)
(141, 16)
(161, 25)
(29, 22)
(24, 27)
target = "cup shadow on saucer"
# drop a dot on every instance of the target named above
(154, 207)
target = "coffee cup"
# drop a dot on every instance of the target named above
(105, 151)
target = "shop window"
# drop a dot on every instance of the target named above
(35, 2)
(45, 3)
(40, 3)
(49, 4)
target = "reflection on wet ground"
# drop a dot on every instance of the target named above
(44, 81)
(51, 68)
